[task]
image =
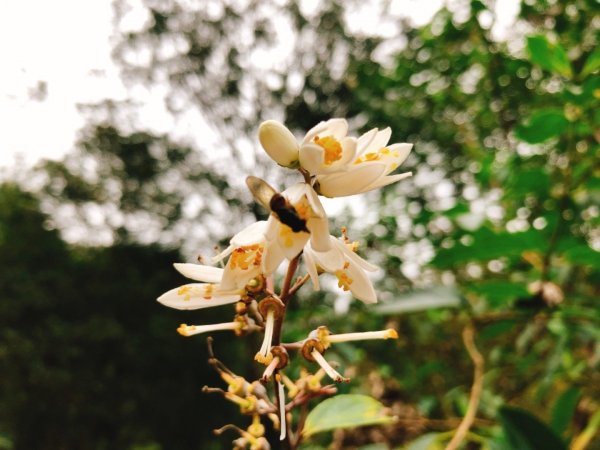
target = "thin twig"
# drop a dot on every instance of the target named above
(298, 284)
(284, 295)
(287, 282)
(478, 361)
(301, 421)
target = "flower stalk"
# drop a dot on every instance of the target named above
(332, 163)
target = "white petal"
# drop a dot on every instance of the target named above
(196, 296)
(384, 181)
(252, 234)
(348, 151)
(311, 158)
(338, 128)
(351, 182)
(319, 234)
(403, 152)
(364, 141)
(311, 268)
(361, 287)
(314, 131)
(295, 192)
(238, 278)
(380, 140)
(315, 203)
(354, 258)
(271, 228)
(332, 260)
(291, 242)
(199, 272)
(272, 258)
(279, 143)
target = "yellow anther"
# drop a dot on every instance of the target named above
(287, 235)
(256, 429)
(185, 292)
(391, 334)
(246, 256)
(344, 281)
(303, 209)
(332, 147)
(184, 329)
(378, 155)
(208, 292)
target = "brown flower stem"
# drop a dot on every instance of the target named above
(284, 295)
(289, 276)
(301, 420)
(477, 388)
(298, 284)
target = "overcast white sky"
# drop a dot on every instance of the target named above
(65, 44)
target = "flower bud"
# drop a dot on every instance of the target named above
(279, 143)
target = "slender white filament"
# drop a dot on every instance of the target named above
(263, 353)
(282, 422)
(270, 368)
(190, 330)
(333, 374)
(346, 337)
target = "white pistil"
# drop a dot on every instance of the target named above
(282, 422)
(368, 335)
(264, 355)
(333, 374)
(190, 330)
(270, 368)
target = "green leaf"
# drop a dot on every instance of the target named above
(583, 255)
(488, 245)
(564, 408)
(524, 431)
(422, 299)
(551, 57)
(499, 292)
(346, 411)
(496, 329)
(429, 441)
(542, 125)
(592, 63)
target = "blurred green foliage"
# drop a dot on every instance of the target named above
(499, 229)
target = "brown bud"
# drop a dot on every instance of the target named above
(279, 352)
(308, 347)
(269, 303)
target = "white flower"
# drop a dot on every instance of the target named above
(200, 295)
(245, 253)
(349, 268)
(369, 168)
(279, 143)
(282, 242)
(326, 148)
(221, 286)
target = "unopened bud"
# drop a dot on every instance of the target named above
(279, 143)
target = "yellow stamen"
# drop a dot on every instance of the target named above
(344, 281)
(246, 256)
(287, 235)
(184, 329)
(378, 155)
(303, 209)
(208, 291)
(185, 292)
(332, 147)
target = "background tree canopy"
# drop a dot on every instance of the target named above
(499, 227)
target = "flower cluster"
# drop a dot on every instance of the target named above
(333, 164)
